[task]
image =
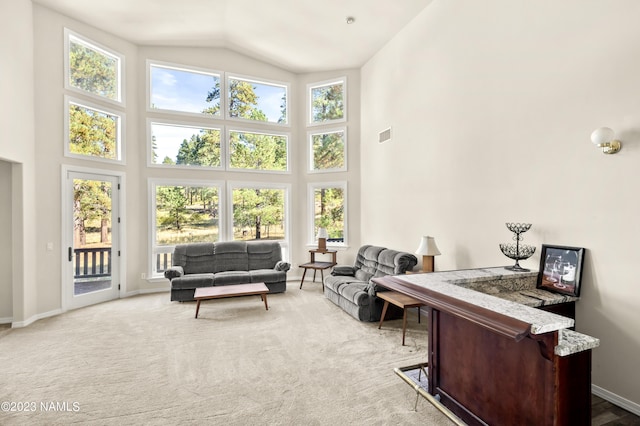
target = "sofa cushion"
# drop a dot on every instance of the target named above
(350, 288)
(194, 258)
(263, 254)
(367, 262)
(267, 276)
(231, 256)
(192, 281)
(231, 277)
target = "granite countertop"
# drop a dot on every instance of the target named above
(512, 294)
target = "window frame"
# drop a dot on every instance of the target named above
(310, 152)
(227, 162)
(185, 68)
(120, 74)
(120, 125)
(182, 123)
(267, 82)
(309, 101)
(152, 184)
(311, 228)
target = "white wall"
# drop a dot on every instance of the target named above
(492, 106)
(17, 148)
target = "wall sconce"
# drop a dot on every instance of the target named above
(603, 138)
(428, 249)
(322, 238)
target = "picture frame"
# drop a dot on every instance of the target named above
(561, 269)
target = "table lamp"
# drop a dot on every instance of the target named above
(428, 249)
(322, 238)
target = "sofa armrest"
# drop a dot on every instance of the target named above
(282, 266)
(173, 272)
(346, 271)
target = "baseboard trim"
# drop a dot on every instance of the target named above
(616, 399)
(6, 320)
(151, 290)
(34, 318)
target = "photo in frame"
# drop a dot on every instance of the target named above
(561, 269)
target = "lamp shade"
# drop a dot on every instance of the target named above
(602, 135)
(428, 247)
(322, 233)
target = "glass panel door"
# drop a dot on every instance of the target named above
(92, 267)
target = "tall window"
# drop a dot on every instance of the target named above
(93, 128)
(259, 212)
(186, 90)
(328, 204)
(328, 151)
(211, 122)
(181, 145)
(183, 212)
(257, 100)
(327, 102)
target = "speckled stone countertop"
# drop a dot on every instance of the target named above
(510, 293)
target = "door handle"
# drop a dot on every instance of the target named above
(70, 254)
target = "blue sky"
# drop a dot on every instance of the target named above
(179, 90)
(186, 91)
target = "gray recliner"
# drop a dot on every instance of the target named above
(350, 287)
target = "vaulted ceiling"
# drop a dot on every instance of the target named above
(297, 35)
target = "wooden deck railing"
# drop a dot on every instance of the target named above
(92, 262)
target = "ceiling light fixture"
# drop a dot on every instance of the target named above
(350, 19)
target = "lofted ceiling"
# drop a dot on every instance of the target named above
(297, 35)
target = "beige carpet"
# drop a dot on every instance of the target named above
(146, 361)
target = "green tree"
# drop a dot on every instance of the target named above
(328, 151)
(329, 211)
(255, 210)
(92, 133)
(173, 200)
(283, 109)
(328, 103)
(92, 71)
(91, 201)
(258, 151)
(202, 149)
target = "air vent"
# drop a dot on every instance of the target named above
(385, 135)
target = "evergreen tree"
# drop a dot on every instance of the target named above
(328, 103)
(92, 71)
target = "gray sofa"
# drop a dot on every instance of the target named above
(226, 263)
(350, 287)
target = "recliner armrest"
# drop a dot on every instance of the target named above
(345, 271)
(282, 266)
(173, 272)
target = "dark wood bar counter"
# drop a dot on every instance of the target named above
(493, 361)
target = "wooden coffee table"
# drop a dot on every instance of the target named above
(219, 292)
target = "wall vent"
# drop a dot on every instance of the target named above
(384, 135)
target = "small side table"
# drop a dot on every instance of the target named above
(402, 301)
(318, 266)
